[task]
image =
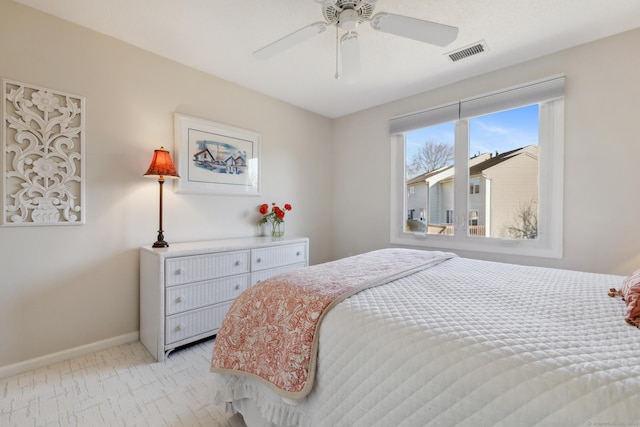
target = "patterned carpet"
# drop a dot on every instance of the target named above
(120, 386)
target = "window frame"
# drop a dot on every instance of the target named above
(549, 243)
(474, 188)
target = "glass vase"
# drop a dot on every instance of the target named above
(277, 229)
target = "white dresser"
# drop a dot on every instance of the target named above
(187, 288)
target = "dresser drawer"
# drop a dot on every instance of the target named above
(276, 256)
(182, 326)
(194, 295)
(203, 267)
(265, 274)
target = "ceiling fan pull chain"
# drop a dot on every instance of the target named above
(337, 76)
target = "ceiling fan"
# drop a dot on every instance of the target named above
(346, 15)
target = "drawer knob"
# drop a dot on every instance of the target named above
(180, 327)
(237, 263)
(298, 253)
(237, 287)
(259, 260)
(180, 299)
(180, 271)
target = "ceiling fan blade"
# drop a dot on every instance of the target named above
(290, 40)
(350, 48)
(413, 28)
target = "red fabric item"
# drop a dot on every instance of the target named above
(631, 294)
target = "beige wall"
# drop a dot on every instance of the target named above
(63, 287)
(602, 149)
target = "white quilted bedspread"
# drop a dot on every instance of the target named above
(470, 343)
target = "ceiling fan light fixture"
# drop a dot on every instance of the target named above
(348, 20)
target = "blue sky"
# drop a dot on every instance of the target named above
(500, 132)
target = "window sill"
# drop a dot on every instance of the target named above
(535, 248)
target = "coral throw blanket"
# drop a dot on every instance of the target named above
(271, 331)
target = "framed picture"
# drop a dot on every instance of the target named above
(213, 158)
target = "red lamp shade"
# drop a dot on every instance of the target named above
(161, 164)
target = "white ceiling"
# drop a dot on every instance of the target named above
(219, 37)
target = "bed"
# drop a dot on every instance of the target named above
(418, 338)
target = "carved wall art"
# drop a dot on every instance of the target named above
(42, 156)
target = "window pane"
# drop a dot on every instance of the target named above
(503, 174)
(429, 157)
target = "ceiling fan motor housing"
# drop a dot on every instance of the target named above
(347, 14)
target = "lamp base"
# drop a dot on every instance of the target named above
(160, 244)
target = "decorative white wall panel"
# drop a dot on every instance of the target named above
(43, 138)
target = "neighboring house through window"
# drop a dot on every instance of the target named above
(503, 191)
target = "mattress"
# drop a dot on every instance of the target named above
(467, 342)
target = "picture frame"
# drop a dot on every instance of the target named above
(214, 158)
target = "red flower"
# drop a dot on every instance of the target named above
(273, 215)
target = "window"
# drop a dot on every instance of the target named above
(473, 218)
(449, 219)
(484, 167)
(474, 184)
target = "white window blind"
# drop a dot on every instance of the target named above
(421, 119)
(530, 93)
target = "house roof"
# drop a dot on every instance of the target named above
(425, 176)
(479, 167)
(497, 159)
(204, 150)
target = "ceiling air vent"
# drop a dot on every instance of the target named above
(468, 51)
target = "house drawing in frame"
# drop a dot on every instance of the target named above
(216, 159)
(225, 158)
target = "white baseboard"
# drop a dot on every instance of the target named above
(39, 362)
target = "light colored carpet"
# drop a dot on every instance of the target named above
(120, 386)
